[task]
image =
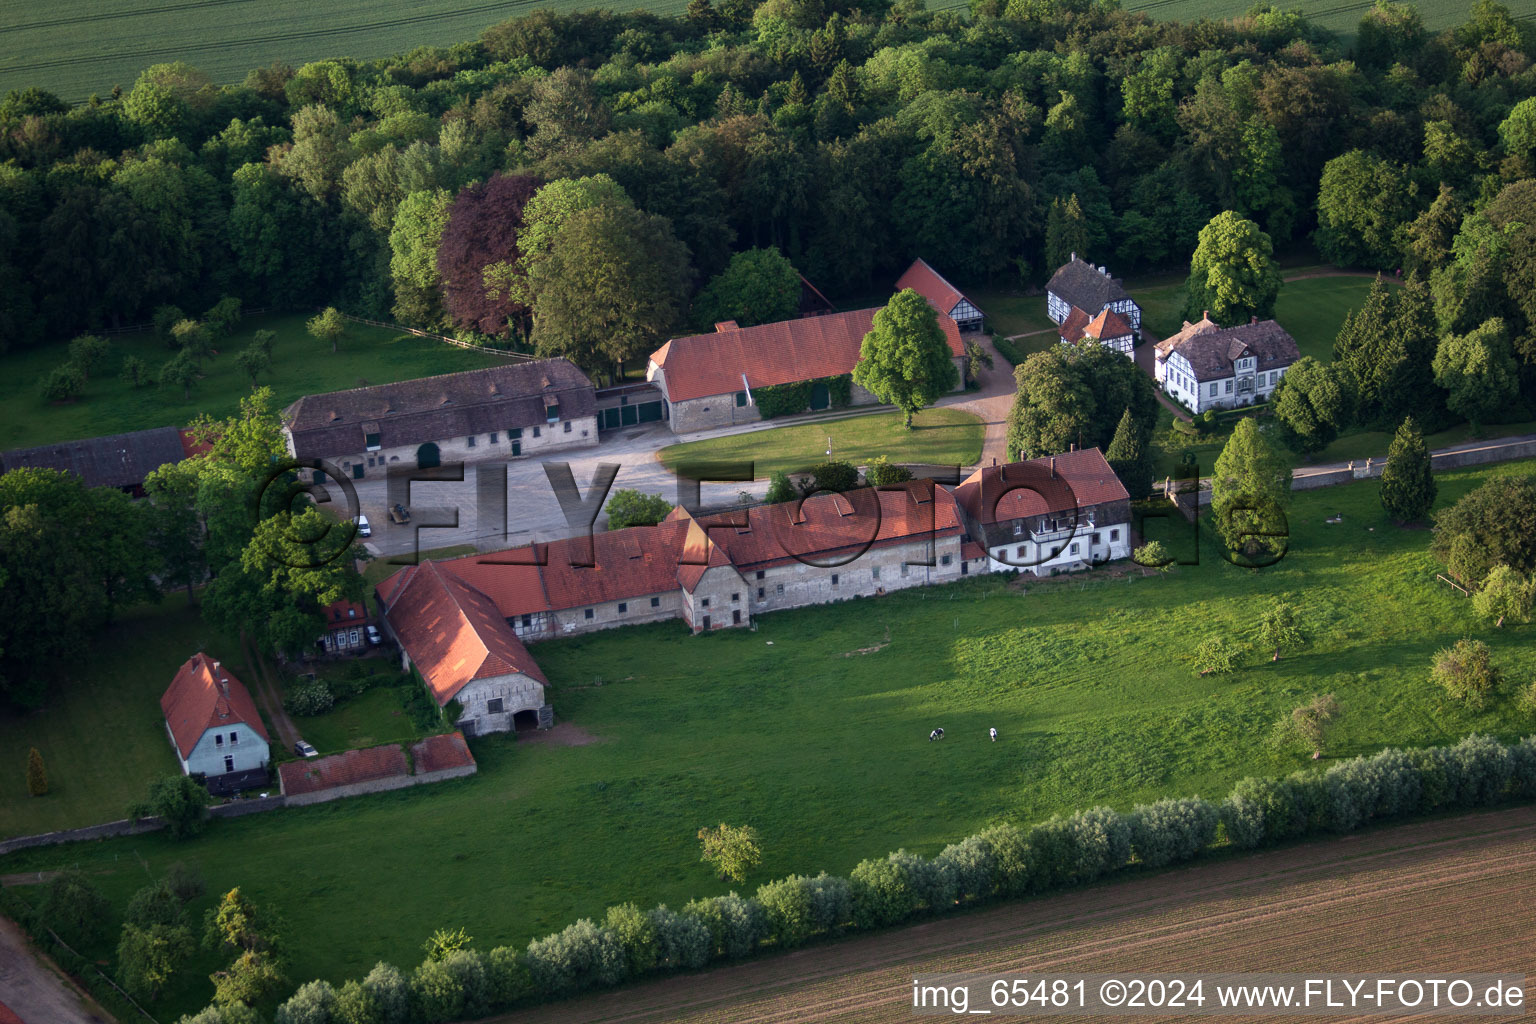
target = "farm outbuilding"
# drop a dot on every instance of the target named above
(941, 295)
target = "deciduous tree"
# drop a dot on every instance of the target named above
(1495, 524)
(1477, 372)
(328, 325)
(635, 508)
(734, 850)
(905, 359)
(758, 286)
(1313, 403)
(1466, 671)
(1233, 272)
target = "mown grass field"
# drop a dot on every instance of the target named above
(940, 437)
(103, 740)
(300, 366)
(825, 751)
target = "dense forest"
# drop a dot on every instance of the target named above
(849, 137)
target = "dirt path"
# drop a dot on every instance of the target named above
(1452, 894)
(269, 695)
(990, 403)
(35, 989)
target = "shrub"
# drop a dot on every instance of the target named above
(87, 352)
(451, 988)
(780, 489)
(890, 889)
(134, 372)
(1522, 774)
(1100, 842)
(313, 1003)
(443, 942)
(786, 907)
(184, 881)
(636, 934)
(164, 318)
(1051, 856)
(683, 941)
(1012, 871)
(1153, 554)
(37, 775)
(1215, 655)
(580, 956)
(156, 903)
(179, 801)
(1525, 700)
(223, 318)
(237, 1013)
(834, 476)
(506, 977)
(736, 925)
(389, 991)
(970, 865)
(1309, 723)
(882, 473)
(636, 508)
(1171, 830)
(831, 901)
(1483, 767)
(782, 399)
(355, 1004)
(1466, 671)
(308, 698)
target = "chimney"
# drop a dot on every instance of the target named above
(215, 666)
(1205, 314)
(994, 460)
(1072, 447)
(1074, 257)
(1053, 467)
(1253, 319)
(725, 325)
(1104, 270)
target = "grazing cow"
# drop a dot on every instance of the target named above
(937, 734)
(994, 734)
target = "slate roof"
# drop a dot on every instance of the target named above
(203, 697)
(1058, 484)
(1082, 285)
(116, 460)
(1109, 324)
(453, 633)
(702, 365)
(412, 412)
(440, 752)
(1212, 350)
(931, 285)
(367, 765)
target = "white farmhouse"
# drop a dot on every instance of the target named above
(1055, 514)
(1206, 366)
(215, 727)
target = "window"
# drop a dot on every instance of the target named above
(1018, 528)
(229, 764)
(587, 614)
(567, 426)
(623, 607)
(944, 559)
(1213, 392)
(1114, 534)
(874, 573)
(515, 434)
(1073, 551)
(906, 570)
(735, 599)
(218, 739)
(1229, 387)
(354, 637)
(760, 592)
(741, 398)
(493, 706)
(234, 739)
(469, 442)
(527, 620)
(1095, 539)
(1019, 553)
(371, 442)
(655, 602)
(779, 589)
(834, 579)
(493, 437)
(761, 574)
(536, 429)
(706, 602)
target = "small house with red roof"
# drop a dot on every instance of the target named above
(709, 380)
(215, 727)
(346, 625)
(1109, 328)
(463, 649)
(1055, 514)
(941, 295)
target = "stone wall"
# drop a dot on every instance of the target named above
(551, 437)
(126, 827)
(383, 785)
(1493, 451)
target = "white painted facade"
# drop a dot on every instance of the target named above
(235, 747)
(1062, 549)
(1244, 387)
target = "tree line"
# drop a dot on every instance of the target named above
(850, 136)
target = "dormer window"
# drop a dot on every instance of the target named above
(552, 412)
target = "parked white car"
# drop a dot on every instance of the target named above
(305, 750)
(374, 636)
(363, 527)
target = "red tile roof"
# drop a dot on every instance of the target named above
(931, 285)
(452, 632)
(8, 1016)
(206, 695)
(1074, 325)
(1081, 479)
(1108, 324)
(345, 769)
(971, 550)
(341, 613)
(446, 750)
(702, 365)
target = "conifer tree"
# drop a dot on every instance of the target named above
(1129, 458)
(1408, 481)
